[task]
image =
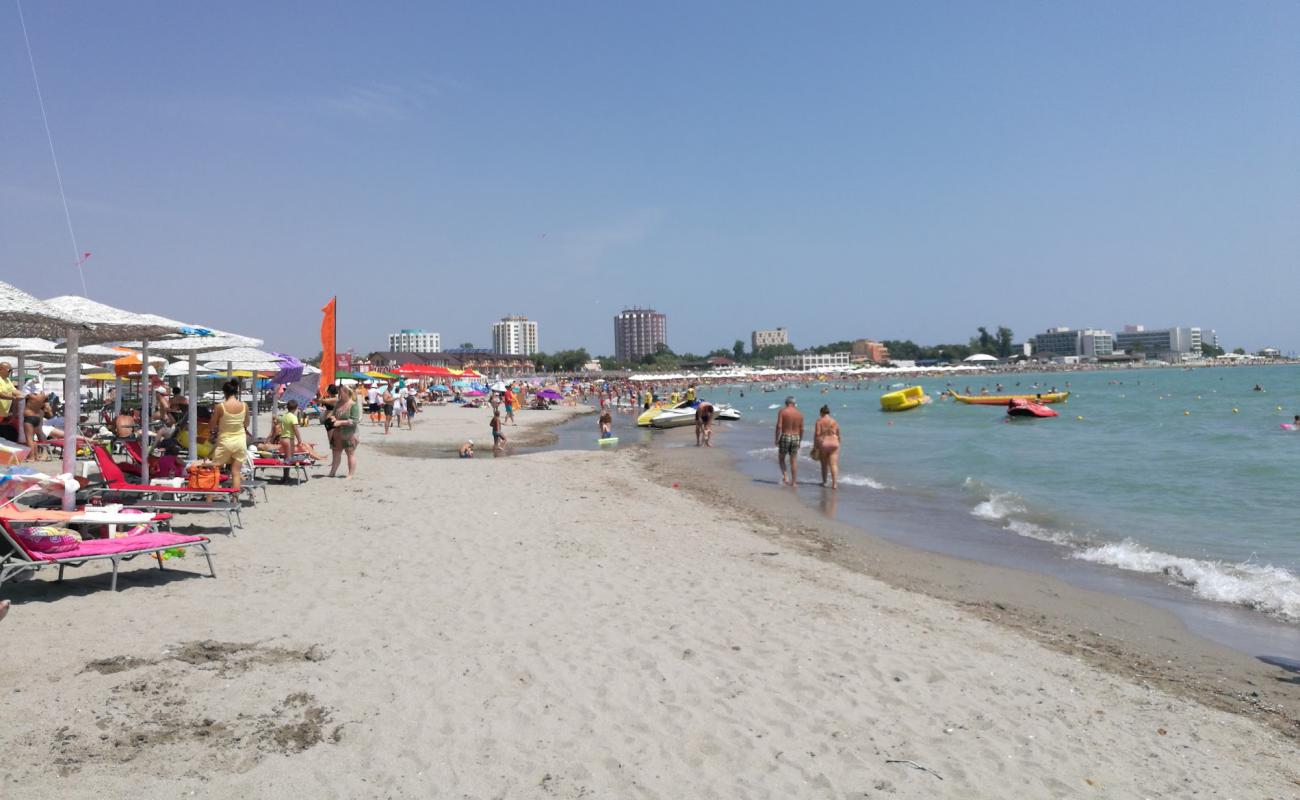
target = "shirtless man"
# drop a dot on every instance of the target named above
(704, 424)
(789, 435)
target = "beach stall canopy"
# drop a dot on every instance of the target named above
(980, 357)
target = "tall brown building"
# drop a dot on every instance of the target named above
(638, 332)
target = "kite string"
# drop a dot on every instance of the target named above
(58, 174)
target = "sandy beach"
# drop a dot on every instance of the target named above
(568, 624)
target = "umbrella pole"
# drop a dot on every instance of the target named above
(256, 391)
(145, 391)
(192, 408)
(22, 401)
(117, 396)
(71, 417)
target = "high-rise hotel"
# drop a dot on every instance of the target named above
(638, 332)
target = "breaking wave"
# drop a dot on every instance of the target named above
(1259, 586)
(1263, 587)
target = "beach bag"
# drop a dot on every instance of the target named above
(203, 477)
(48, 539)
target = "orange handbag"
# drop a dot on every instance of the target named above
(205, 477)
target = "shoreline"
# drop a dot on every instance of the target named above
(568, 623)
(1122, 635)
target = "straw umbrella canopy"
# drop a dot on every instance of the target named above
(96, 323)
(21, 314)
(249, 358)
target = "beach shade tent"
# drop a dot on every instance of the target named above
(249, 358)
(130, 363)
(191, 347)
(96, 323)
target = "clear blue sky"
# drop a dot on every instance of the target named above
(891, 170)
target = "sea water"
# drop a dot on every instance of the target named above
(1182, 474)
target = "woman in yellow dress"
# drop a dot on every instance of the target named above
(230, 418)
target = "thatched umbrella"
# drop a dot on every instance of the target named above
(97, 323)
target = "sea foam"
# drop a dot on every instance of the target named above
(1259, 586)
(862, 480)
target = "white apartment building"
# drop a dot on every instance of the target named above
(760, 339)
(1167, 344)
(830, 362)
(414, 340)
(515, 335)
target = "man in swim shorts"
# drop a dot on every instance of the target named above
(704, 424)
(789, 435)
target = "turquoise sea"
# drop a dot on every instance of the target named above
(1186, 475)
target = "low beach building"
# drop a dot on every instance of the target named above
(830, 362)
(484, 361)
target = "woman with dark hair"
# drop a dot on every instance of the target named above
(826, 444)
(230, 419)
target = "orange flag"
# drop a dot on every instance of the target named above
(328, 330)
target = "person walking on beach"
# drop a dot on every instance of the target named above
(343, 438)
(389, 400)
(789, 435)
(826, 446)
(510, 405)
(230, 419)
(498, 438)
(704, 424)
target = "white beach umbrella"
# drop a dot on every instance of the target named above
(94, 323)
(192, 347)
(249, 358)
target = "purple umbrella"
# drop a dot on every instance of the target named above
(550, 394)
(290, 369)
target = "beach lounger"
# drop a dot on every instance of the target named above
(298, 465)
(131, 471)
(20, 559)
(165, 498)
